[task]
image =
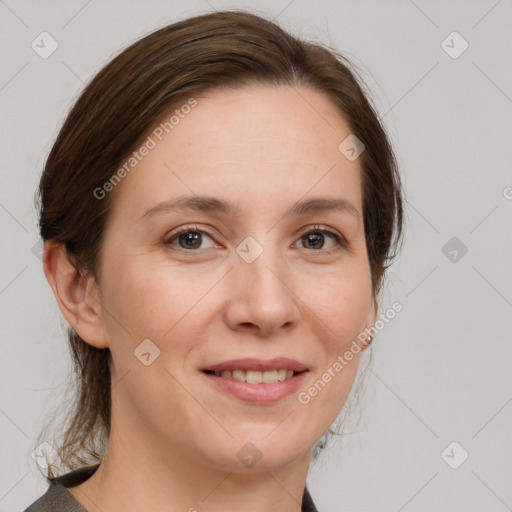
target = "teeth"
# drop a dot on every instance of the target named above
(238, 375)
(253, 377)
(256, 377)
(267, 377)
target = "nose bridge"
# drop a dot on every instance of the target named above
(262, 293)
(266, 275)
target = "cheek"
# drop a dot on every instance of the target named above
(339, 304)
(156, 301)
(340, 301)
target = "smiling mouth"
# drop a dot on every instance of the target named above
(255, 376)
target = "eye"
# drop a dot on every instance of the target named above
(314, 238)
(189, 238)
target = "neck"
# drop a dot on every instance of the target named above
(137, 474)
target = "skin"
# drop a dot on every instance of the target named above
(175, 437)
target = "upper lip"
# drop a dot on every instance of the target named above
(261, 365)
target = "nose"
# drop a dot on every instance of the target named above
(261, 298)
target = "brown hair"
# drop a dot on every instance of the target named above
(125, 100)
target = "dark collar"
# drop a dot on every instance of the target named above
(307, 502)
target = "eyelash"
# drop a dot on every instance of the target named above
(341, 241)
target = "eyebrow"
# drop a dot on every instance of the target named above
(217, 205)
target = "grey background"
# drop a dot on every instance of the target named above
(441, 368)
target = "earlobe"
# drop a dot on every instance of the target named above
(370, 323)
(74, 294)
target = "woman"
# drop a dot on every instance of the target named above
(217, 210)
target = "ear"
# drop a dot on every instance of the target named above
(370, 321)
(77, 297)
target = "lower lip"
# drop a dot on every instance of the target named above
(257, 393)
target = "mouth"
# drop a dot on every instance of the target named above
(255, 380)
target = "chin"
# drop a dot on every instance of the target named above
(260, 452)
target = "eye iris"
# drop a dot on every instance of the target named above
(193, 237)
(315, 238)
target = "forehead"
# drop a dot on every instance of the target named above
(271, 119)
(259, 144)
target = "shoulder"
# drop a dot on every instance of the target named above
(57, 498)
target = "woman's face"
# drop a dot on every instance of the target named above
(244, 284)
